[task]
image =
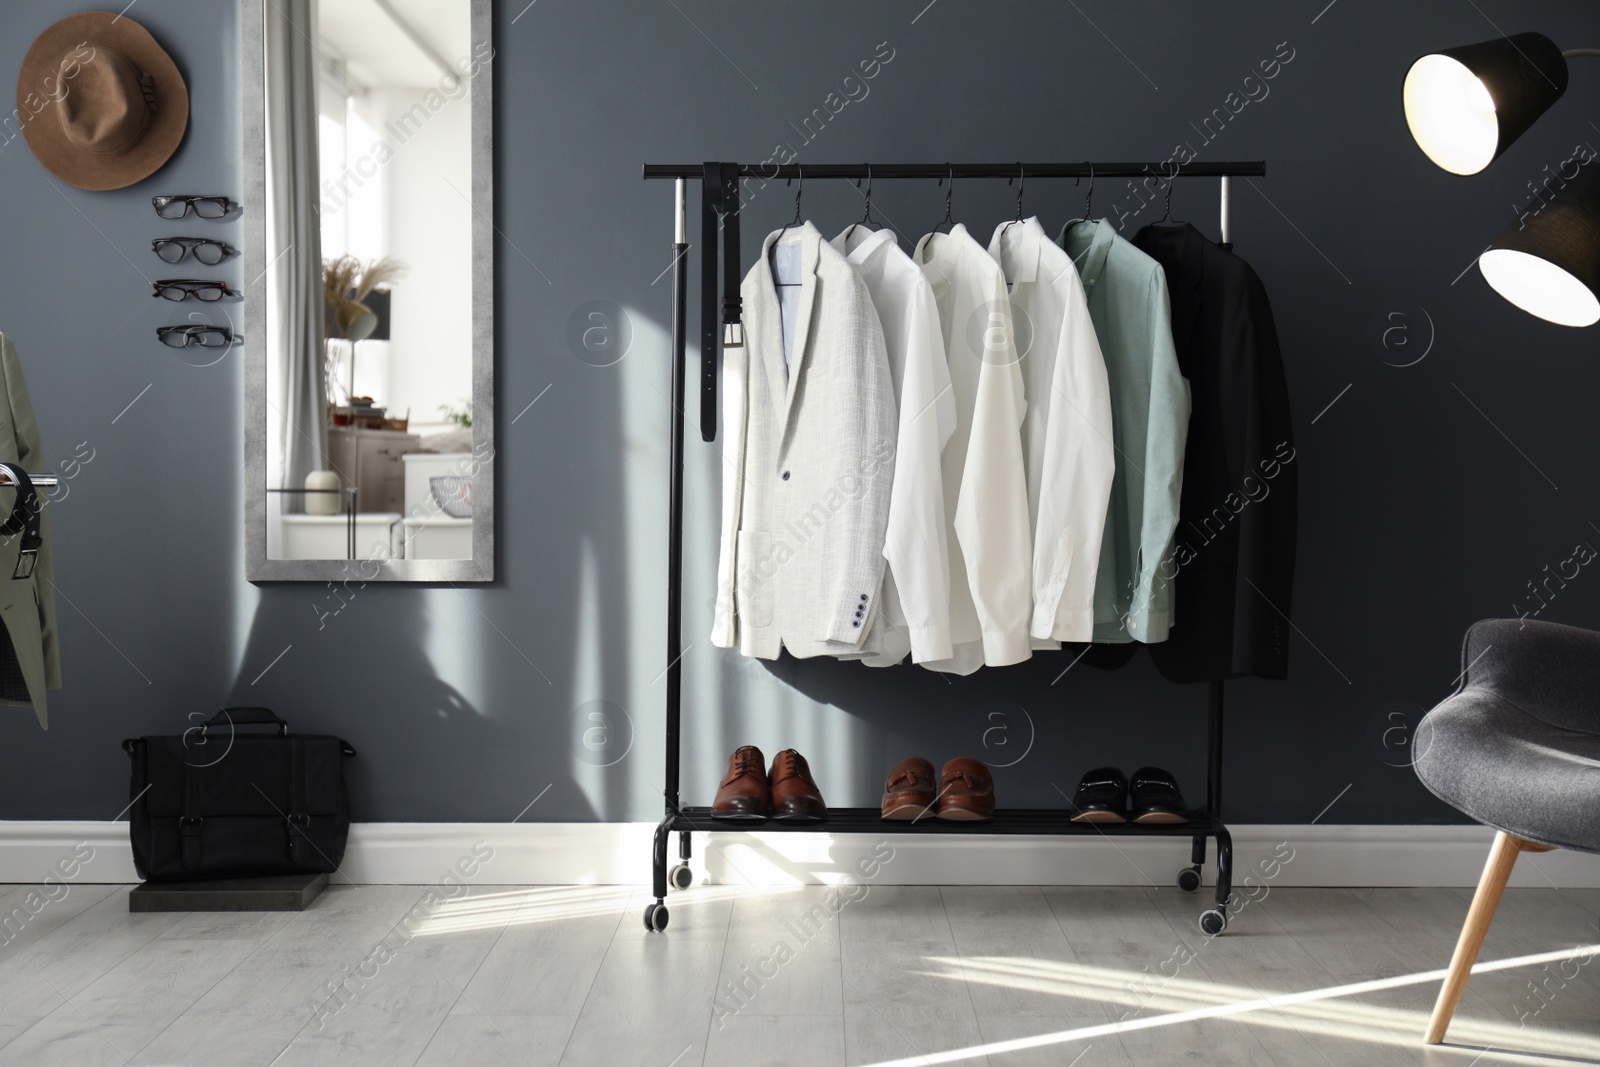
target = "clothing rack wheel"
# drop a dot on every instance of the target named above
(1200, 825)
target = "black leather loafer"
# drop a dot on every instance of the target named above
(1156, 798)
(1102, 796)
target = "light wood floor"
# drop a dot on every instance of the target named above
(535, 977)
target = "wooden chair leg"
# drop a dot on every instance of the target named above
(1496, 872)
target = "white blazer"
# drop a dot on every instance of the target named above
(985, 488)
(1066, 434)
(914, 607)
(809, 451)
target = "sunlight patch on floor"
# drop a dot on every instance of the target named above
(1186, 1000)
(526, 907)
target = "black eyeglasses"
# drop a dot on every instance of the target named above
(183, 288)
(173, 249)
(195, 336)
(176, 207)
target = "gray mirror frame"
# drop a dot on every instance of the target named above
(258, 568)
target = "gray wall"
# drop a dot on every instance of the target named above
(1431, 494)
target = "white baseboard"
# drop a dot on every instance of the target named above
(619, 854)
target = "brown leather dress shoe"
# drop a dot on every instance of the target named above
(966, 791)
(794, 795)
(744, 793)
(909, 791)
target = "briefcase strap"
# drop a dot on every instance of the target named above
(299, 821)
(190, 823)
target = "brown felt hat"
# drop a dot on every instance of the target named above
(102, 105)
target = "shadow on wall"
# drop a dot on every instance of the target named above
(427, 752)
(471, 702)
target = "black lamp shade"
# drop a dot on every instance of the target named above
(1548, 261)
(378, 301)
(1466, 105)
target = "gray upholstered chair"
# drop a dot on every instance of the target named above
(1517, 748)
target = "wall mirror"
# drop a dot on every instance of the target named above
(367, 263)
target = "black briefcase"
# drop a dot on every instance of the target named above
(224, 802)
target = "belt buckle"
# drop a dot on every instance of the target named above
(733, 335)
(27, 559)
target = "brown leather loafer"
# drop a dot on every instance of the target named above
(909, 791)
(794, 795)
(744, 793)
(966, 791)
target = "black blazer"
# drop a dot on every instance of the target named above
(1232, 559)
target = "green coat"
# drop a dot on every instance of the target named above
(30, 659)
(1128, 304)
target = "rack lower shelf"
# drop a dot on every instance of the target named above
(1053, 821)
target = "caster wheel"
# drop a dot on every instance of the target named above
(1213, 921)
(1189, 879)
(655, 917)
(681, 877)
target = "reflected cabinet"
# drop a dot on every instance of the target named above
(369, 290)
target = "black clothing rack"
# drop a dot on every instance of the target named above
(720, 200)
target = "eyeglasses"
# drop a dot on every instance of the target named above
(195, 336)
(176, 207)
(173, 249)
(182, 288)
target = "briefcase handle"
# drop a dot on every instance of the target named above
(246, 717)
(239, 717)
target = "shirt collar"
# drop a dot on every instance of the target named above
(1088, 243)
(939, 247)
(1024, 240)
(858, 243)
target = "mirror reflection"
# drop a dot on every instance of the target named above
(370, 443)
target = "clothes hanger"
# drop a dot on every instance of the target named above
(1088, 201)
(948, 220)
(866, 216)
(1022, 181)
(1166, 219)
(800, 187)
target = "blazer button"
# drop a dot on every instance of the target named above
(785, 475)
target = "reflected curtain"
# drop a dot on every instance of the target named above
(292, 180)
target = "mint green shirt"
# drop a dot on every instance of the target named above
(1127, 294)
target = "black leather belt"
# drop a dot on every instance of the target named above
(719, 198)
(24, 519)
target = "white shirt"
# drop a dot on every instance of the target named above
(1066, 434)
(914, 606)
(985, 488)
